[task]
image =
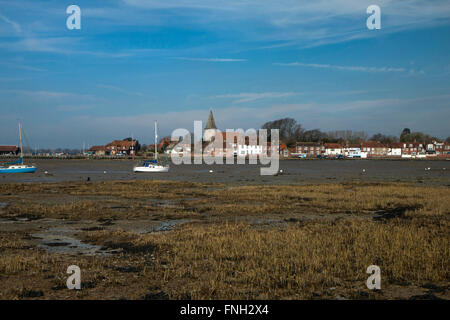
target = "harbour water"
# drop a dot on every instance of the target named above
(434, 172)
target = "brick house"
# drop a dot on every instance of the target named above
(98, 150)
(443, 149)
(9, 150)
(309, 149)
(374, 149)
(284, 150)
(121, 147)
(413, 149)
(438, 149)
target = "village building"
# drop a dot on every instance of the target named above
(97, 150)
(121, 148)
(179, 148)
(333, 149)
(395, 149)
(9, 150)
(234, 143)
(352, 151)
(438, 149)
(413, 150)
(442, 149)
(373, 149)
(284, 150)
(309, 149)
(237, 144)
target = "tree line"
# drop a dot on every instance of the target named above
(290, 131)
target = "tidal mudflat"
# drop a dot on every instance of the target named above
(161, 239)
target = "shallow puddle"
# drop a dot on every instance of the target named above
(3, 204)
(62, 241)
(162, 227)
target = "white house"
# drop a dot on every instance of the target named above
(395, 150)
(352, 151)
(333, 149)
(248, 149)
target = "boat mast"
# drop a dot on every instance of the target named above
(156, 139)
(132, 146)
(20, 138)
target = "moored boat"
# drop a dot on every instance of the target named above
(152, 165)
(18, 166)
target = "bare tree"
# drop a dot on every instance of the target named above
(289, 130)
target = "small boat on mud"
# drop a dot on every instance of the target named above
(17, 166)
(152, 165)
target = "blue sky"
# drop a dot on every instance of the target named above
(136, 61)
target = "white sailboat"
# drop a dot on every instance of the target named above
(18, 166)
(152, 165)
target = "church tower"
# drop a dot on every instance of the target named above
(210, 128)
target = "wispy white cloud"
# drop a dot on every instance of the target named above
(14, 24)
(21, 66)
(327, 116)
(343, 68)
(119, 89)
(260, 24)
(248, 97)
(43, 94)
(59, 45)
(210, 59)
(303, 22)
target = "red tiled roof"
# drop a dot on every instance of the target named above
(235, 138)
(372, 144)
(9, 148)
(332, 145)
(414, 144)
(121, 144)
(97, 148)
(313, 144)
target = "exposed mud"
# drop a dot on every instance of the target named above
(66, 237)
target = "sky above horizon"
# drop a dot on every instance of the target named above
(137, 61)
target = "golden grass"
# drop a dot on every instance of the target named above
(238, 261)
(222, 259)
(192, 200)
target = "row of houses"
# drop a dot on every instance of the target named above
(369, 149)
(237, 144)
(116, 148)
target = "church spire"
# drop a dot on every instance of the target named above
(211, 124)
